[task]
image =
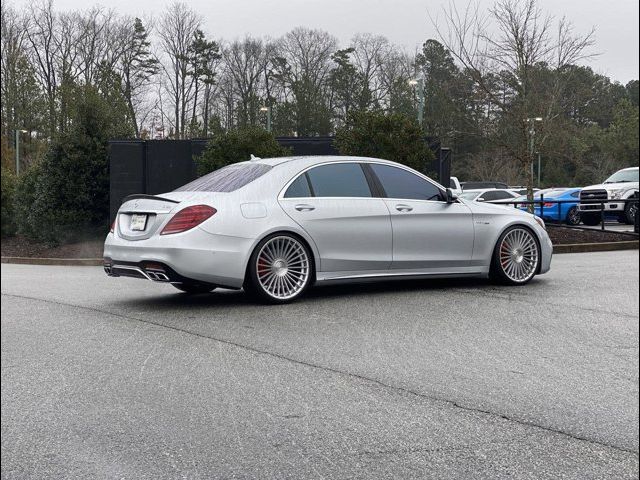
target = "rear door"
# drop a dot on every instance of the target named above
(428, 233)
(335, 205)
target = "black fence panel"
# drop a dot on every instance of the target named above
(127, 172)
(169, 165)
(309, 145)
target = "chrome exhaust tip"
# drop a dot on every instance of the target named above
(157, 276)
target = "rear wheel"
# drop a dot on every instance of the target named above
(573, 216)
(591, 219)
(280, 269)
(630, 212)
(194, 287)
(516, 257)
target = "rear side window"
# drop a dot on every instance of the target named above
(227, 179)
(399, 183)
(299, 188)
(339, 180)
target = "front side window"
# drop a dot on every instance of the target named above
(399, 183)
(227, 179)
(339, 180)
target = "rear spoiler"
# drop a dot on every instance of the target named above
(148, 197)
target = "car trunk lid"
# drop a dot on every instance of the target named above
(141, 215)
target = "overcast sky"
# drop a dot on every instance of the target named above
(404, 22)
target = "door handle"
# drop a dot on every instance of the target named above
(304, 208)
(404, 208)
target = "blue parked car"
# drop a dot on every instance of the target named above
(565, 212)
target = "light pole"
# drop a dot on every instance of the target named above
(268, 110)
(419, 84)
(17, 133)
(539, 169)
(532, 144)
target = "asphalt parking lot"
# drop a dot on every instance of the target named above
(121, 378)
(613, 227)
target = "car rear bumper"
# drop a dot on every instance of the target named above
(192, 255)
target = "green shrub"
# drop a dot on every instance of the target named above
(388, 136)
(8, 193)
(66, 197)
(237, 146)
(23, 201)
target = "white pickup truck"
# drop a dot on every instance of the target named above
(621, 185)
(455, 186)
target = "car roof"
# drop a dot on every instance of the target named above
(309, 160)
(630, 168)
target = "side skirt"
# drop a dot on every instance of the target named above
(385, 275)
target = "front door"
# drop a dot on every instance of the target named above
(428, 233)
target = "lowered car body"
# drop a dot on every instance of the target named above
(276, 226)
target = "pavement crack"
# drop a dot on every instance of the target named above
(363, 378)
(523, 298)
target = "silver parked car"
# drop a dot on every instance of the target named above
(276, 226)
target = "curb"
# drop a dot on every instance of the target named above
(70, 262)
(596, 247)
(557, 249)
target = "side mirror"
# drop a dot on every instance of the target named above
(481, 199)
(450, 196)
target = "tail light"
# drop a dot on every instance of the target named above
(188, 218)
(113, 226)
(547, 204)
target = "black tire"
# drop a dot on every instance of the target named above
(573, 216)
(498, 273)
(591, 219)
(254, 287)
(193, 288)
(630, 213)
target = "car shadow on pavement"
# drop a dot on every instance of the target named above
(238, 298)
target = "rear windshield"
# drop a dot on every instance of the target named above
(227, 179)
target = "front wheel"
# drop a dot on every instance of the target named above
(280, 269)
(516, 257)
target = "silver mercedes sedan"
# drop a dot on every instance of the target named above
(277, 226)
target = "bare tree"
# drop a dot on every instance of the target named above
(395, 73)
(513, 41)
(370, 53)
(303, 64)
(13, 42)
(487, 166)
(41, 34)
(176, 31)
(246, 61)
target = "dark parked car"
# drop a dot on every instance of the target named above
(482, 185)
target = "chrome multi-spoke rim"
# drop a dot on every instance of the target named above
(282, 267)
(519, 255)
